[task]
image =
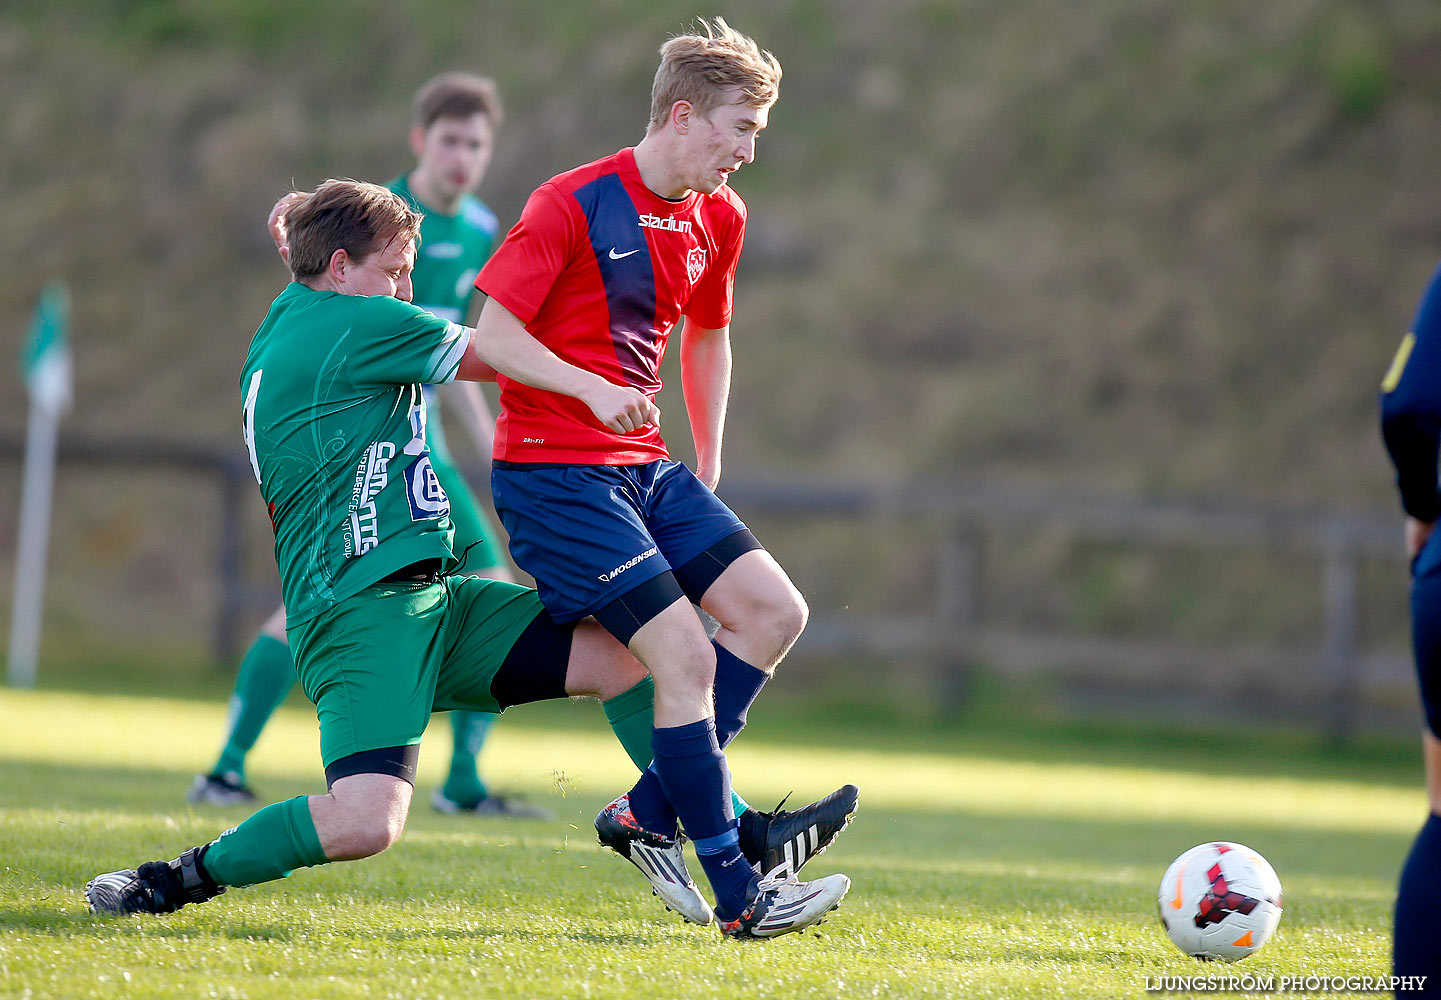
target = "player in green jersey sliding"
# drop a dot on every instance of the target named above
(382, 631)
(454, 120)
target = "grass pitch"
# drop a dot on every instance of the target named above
(986, 861)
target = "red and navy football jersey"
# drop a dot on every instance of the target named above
(600, 269)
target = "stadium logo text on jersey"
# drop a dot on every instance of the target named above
(441, 251)
(670, 223)
(695, 263)
(607, 577)
(427, 497)
(363, 527)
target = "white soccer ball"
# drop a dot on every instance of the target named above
(1220, 900)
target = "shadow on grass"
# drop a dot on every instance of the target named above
(508, 928)
(34, 918)
(68, 923)
(72, 924)
(130, 816)
(30, 785)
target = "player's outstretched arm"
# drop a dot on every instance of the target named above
(472, 369)
(705, 373)
(502, 342)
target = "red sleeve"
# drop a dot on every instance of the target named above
(710, 304)
(520, 273)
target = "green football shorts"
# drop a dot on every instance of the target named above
(377, 665)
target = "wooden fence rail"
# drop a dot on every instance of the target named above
(950, 633)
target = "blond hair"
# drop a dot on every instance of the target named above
(456, 95)
(348, 215)
(702, 66)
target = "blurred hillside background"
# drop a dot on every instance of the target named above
(1127, 249)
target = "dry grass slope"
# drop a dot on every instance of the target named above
(1124, 245)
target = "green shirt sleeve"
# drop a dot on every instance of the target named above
(397, 343)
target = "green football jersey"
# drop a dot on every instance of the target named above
(453, 249)
(335, 423)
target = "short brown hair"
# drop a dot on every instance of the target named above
(700, 66)
(348, 215)
(456, 95)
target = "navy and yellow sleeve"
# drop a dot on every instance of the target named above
(1411, 408)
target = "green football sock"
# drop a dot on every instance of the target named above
(631, 715)
(265, 677)
(468, 731)
(269, 845)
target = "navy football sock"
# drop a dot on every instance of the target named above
(1418, 920)
(730, 874)
(654, 812)
(737, 684)
(650, 806)
(692, 770)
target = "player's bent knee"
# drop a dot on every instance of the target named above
(780, 620)
(793, 616)
(682, 669)
(695, 668)
(364, 835)
(370, 793)
(755, 597)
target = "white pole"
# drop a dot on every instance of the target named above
(40, 441)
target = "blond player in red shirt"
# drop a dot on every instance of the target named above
(606, 262)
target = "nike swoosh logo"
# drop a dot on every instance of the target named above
(1180, 899)
(622, 256)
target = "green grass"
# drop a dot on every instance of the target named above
(988, 859)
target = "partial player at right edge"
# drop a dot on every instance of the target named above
(1411, 426)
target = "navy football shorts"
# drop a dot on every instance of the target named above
(589, 534)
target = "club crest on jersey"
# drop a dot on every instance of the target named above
(695, 263)
(423, 490)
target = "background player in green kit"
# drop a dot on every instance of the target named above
(454, 119)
